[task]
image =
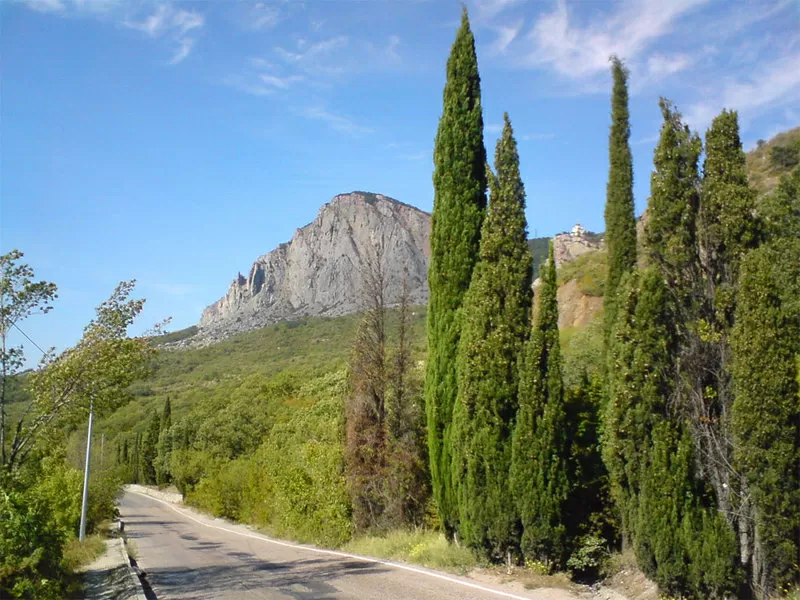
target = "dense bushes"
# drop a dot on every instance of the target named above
(292, 483)
(40, 510)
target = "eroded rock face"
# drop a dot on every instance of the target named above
(569, 246)
(319, 272)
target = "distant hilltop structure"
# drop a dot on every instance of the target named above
(570, 245)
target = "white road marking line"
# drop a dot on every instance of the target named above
(269, 540)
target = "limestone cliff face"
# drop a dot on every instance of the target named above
(319, 271)
(569, 246)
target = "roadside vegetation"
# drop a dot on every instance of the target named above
(422, 547)
(40, 482)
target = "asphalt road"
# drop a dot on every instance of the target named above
(191, 556)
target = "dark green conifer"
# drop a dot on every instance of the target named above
(765, 417)
(727, 204)
(166, 416)
(619, 211)
(639, 384)
(164, 449)
(670, 233)
(459, 204)
(539, 469)
(668, 514)
(149, 451)
(496, 315)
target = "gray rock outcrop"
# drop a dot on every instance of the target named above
(319, 272)
(569, 246)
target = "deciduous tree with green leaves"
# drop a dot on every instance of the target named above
(20, 297)
(496, 316)
(459, 183)
(96, 372)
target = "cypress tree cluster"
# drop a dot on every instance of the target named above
(702, 417)
(496, 321)
(459, 182)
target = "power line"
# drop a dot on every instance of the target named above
(29, 339)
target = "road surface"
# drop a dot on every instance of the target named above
(187, 555)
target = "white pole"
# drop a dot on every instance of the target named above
(85, 502)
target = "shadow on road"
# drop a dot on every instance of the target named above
(301, 579)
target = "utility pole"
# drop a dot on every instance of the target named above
(85, 502)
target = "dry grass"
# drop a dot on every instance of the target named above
(763, 175)
(426, 548)
(80, 554)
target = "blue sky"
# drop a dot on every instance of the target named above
(175, 142)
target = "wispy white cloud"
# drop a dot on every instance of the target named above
(491, 8)
(493, 127)
(249, 85)
(506, 34)
(168, 22)
(153, 25)
(283, 83)
(97, 7)
(162, 19)
(581, 51)
(185, 46)
(773, 85)
(51, 6)
(262, 15)
(660, 65)
(317, 57)
(336, 122)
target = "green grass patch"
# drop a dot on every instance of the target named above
(427, 548)
(589, 270)
(78, 554)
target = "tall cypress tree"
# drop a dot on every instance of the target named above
(765, 416)
(726, 213)
(539, 466)
(496, 322)
(619, 211)
(459, 182)
(670, 232)
(639, 385)
(164, 449)
(149, 451)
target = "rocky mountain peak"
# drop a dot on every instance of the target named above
(318, 272)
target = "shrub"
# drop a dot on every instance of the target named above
(31, 549)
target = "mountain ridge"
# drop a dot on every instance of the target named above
(318, 272)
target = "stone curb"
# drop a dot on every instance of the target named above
(170, 497)
(131, 571)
